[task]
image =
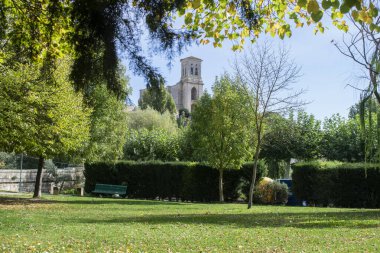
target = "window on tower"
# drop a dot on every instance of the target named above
(191, 70)
(196, 70)
(194, 94)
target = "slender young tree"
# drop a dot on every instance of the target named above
(221, 128)
(267, 76)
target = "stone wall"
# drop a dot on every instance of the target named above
(10, 179)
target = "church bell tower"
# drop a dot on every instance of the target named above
(191, 81)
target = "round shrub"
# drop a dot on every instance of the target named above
(271, 192)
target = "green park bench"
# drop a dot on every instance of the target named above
(109, 189)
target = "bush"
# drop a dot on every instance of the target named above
(271, 192)
(337, 184)
(180, 180)
(246, 175)
(156, 144)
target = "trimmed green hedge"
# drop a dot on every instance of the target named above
(184, 180)
(338, 184)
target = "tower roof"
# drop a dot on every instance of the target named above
(191, 57)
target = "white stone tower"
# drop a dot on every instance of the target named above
(190, 88)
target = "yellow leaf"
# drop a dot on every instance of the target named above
(245, 33)
(204, 42)
(276, 26)
(368, 20)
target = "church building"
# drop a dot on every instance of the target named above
(190, 88)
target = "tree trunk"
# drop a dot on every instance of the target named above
(287, 170)
(38, 184)
(221, 196)
(253, 179)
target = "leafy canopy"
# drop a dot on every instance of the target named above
(108, 126)
(247, 19)
(158, 98)
(221, 126)
(42, 115)
(151, 119)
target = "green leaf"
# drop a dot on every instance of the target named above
(293, 16)
(355, 15)
(326, 4)
(317, 16)
(335, 4)
(374, 12)
(372, 27)
(196, 4)
(344, 8)
(312, 6)
(188, 18)
(302, 3)
(350, 3)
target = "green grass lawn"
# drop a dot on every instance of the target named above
(84, 224)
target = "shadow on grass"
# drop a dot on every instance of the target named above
(85, 201)
(318, 220)
(24, 201)
(134, 202)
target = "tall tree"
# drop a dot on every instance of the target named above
(342, 139)
(221, 127)
(308, 136)
(267, 76)
(41, 115)
(296, 136)
(108, 126)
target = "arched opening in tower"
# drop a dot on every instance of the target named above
(194, 94)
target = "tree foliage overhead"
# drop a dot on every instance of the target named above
(34, 30)
(100, 32)
(248, 19)
(103, 30)
(363, 47)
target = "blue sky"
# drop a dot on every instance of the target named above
(325, 72)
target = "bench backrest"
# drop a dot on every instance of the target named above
(111, 189)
